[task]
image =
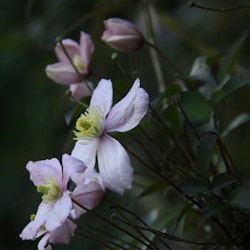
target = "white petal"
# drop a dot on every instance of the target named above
(31, 231)
(86, 152)
(114, 165)
(59, 213)
(103, 96)
(71, 166)
(42, 171)
(128, 112)
(43, 243)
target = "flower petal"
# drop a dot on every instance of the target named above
(72, 48)
(71, 166)
(42, 171)
(88, 196)
(128, 112)
(62, 73)
(31, 231)
(103, 96)
(114, 165)
(86, 152)
(81, 90)
(43, 243)
(59, 213)
(64, 233)
(86, 48)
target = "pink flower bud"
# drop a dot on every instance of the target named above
(122, 35)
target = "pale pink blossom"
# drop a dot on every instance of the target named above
(57, 206)
(63, 72)
(122, 35)
(93, 128)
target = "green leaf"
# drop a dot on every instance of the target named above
(222, 180)
(201, 71)
(194, 186)
(204, 154)
(173, 118)
(239, 120)
(172, 90)
(241, 197)
(155, 187)
(196, 107)
(230, 58)
(233, 84)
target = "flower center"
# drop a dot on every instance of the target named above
(78, 62)
(51, 191)
(90, 124)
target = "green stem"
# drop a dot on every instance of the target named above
(154, 58)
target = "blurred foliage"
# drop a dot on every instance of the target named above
(33, 107)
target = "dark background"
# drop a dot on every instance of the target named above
(33, 107)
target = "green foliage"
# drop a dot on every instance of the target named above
(196, 107)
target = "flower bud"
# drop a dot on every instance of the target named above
(122, 35)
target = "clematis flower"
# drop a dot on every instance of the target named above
(52, 180)
(63, 72)
(122, 35)
(93, 128)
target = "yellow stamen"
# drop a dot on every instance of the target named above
(78, 62)
(90, 124)
(51, 191)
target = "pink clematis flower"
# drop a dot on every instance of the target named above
(56, 207)
(63, 72)
(122, 35)
(93, 128)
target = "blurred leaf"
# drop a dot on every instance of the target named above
(173, 117)
(238, 121)
(155, 187)
(208, 212)
(169, 92)
(222, 180)
(204, 153)
(194, 186)
(230, 58)
(201, 71)
(241, 197)
(233, 83)
(196, 107)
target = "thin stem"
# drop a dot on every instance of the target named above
(154, 58)
(164, 57)
(69, 93)
(115, 59)
(193, 4)
(140, 220)
(112, 224)
(128, 222)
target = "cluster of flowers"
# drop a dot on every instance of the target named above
(76, 185)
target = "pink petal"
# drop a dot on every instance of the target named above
(62, 73)
(86, 152)
(64, 233)
(128, 112)
(88, 196)
(72, 48)
(102, 96)
(81, 90)
(42, 171)
(114, 165)
(86, 48)
(59, 213)
(42, 245)
(71, 166)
